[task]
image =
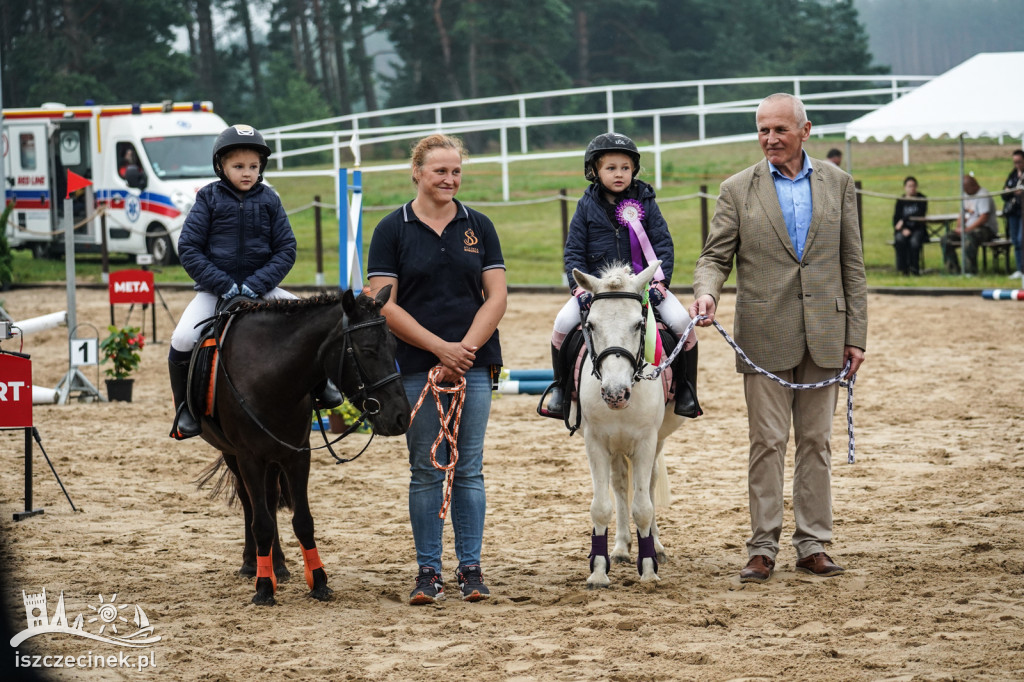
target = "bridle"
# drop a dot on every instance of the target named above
(637, 358)
(360, 397)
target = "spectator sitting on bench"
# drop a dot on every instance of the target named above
(909, 234)
(981, 226)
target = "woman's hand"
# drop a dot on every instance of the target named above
(455, 357)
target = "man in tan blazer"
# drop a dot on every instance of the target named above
(790, 224)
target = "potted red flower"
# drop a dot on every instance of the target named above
(121, 349)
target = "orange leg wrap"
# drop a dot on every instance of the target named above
(265, 569)
(312, 560)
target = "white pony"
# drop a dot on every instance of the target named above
(624, 422)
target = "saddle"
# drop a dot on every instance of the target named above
(680, 376)
(202, 371)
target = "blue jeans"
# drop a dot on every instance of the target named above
(1014, 225)
(426, 486)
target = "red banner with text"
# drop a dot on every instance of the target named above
(131, 286)
(15, 391)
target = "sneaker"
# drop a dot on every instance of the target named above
(471, 583)
(429, 587)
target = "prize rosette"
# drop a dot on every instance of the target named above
(630, 212)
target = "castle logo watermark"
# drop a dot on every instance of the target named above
(107, 621)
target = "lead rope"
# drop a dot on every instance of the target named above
(837, 379)
(458, 391)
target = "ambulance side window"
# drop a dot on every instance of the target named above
(27, 145)
(128, 166)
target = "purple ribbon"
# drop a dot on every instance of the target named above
(629, 214)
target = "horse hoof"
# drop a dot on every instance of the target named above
(263, 600)
(620, 559)
(662, 557)
(321, 593)
(282, 574)
(248, 570)
(598, 586)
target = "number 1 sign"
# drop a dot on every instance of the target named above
(83, 352)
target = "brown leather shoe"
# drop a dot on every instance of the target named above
(820, 564)
(758, 569)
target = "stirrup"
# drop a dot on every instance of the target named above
(551, 411)
(192, 429)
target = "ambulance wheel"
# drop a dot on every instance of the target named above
(159, 246)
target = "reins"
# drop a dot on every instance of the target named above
(368, 406)
(458, 393)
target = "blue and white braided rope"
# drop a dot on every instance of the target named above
(837, 379)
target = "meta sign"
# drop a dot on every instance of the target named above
(15, 391)
(131, 286)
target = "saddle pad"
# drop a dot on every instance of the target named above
(202, 377)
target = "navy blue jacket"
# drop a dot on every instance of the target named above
(229, 240)
(595, 240)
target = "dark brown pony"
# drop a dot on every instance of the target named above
(274, 355)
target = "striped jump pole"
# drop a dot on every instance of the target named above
(1003, 294)
(531, 381)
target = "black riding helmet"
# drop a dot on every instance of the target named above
(236, 137)
(609, 142)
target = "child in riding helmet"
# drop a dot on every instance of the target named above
(236, 240)
(600, 234)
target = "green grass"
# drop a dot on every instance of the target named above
(531, 234)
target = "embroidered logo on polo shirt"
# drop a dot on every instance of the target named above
(470, 241)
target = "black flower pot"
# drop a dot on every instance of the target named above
(120, 389)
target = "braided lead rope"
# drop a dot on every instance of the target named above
(837, 379)
(433, 385)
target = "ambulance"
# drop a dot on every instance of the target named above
(145, 161)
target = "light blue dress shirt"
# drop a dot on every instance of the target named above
(795, 202)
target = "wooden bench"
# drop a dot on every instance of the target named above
(1000, 247)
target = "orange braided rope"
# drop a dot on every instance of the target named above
(459, 398)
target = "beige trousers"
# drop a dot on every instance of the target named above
(771, 408)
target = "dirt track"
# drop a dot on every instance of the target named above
(929, 523)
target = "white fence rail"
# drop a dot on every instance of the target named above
(346, 136)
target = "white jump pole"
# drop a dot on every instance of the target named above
(42, 323)
(44, 396)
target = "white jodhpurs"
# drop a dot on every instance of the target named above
(671, 312)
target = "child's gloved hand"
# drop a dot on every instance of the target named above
(246, 291)
(230, 293)
(583, 298)
(657, 293)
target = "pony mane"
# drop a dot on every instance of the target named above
(615, 277)
(288, 306)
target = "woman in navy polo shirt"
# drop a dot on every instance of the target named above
(448, 294)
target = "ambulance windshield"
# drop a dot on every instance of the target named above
(181, 156)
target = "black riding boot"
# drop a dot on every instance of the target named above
(552, 402)
(187, 424)
(327, 396)
(685, 371)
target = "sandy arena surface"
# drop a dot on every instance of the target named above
(928, 522)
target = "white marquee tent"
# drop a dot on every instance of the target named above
(982, 97)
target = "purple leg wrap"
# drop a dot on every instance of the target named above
(599, 547)
(645, 547)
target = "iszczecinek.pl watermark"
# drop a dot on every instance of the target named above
(107, 622)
